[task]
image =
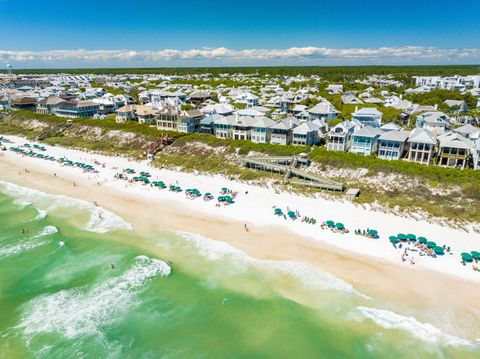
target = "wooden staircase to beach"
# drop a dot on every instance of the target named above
(289, 167)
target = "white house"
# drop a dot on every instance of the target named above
(392, 145)
(305, 134)
(368, 116)
(339, 137)
(323, 110)
(364, 141)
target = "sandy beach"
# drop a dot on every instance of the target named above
(373, 266)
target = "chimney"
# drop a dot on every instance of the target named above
(436, 106)
(356, 108)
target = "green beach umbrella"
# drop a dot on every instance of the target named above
(330, 223)
(291, 213)
(402, 237)
(208, 194)
(422, 240)
(393, 239)
(411, 237)
(340, 226)
(431, 245)
(438, 250)
(475, 254)
(278, 210)
(467, 257)
(373, 232)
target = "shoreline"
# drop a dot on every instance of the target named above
(376, 277)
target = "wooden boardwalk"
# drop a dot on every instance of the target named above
(288, 166)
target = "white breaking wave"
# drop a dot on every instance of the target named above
(100, 221)
(423, 331)
(28, 244)
(80, 311)
(41, 214)
(310, 276)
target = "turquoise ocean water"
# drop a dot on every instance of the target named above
(76, 283)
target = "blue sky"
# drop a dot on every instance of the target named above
(140, 30)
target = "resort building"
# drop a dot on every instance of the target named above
(364, 141)
(392, 145)
(368, 116)
(421, 146)
(339, 137)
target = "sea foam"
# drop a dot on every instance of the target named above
(83, 311)
(28, 244)
(100, 220)
(423, 331)
(310, 276)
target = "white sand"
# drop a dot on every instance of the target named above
(256, 209)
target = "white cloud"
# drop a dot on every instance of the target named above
(221, 56)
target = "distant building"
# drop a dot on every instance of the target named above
(368, 116)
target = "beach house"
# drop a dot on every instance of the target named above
(222, 126)
(282, 131)
(364, 141)
(435, 121)
(339, 137)
(167, 118)
(323, 110)
(305, 134)
(421, 144)
(261, 130)
(368, 116)
(242, 127)
(189, 121)
(126, 113)
(145, 114)
(454, 150)
(392, 145)
(46, 105)
(207, 124)
(80, 109)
